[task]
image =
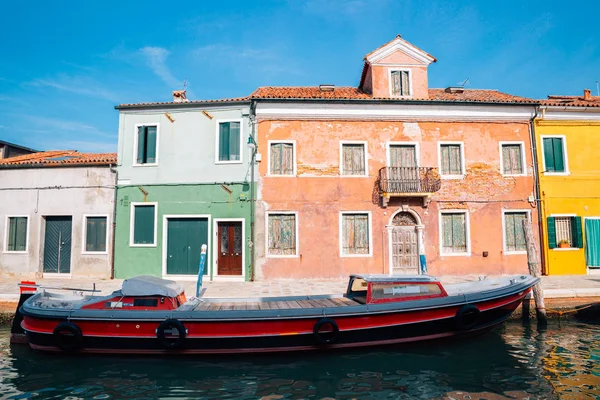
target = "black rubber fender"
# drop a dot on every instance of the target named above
(467, 317)
(68, 337)
(327, 337)
(167, 343)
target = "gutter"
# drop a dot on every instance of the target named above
(396, 101)
(536, 187)
(252, 188)
(189, 104)
(114, 223)
(42, 165)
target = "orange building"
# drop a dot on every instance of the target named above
(392, 177)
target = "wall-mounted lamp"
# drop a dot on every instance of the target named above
(251, 143)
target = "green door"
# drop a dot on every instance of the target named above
(57, 245)
(185, 236)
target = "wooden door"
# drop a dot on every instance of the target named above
(230, 248)
(57, 245)
(185, 237)
(405, 254)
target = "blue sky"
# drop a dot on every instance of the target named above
(65, 64)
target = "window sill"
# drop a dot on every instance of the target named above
(94, 253)
(513, 175)
(566, 249)
(282, 256)
(281, 176)
(353, 176)
(355, 255)
(556, 173)
(230, 162)
(515, 253)
(452, 177)
(15, 252)
(455, 254)
(146, 165)
(142, 245)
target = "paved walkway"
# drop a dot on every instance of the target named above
(554, 286)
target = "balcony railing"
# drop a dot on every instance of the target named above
(408, 182)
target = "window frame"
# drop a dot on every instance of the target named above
(512, 211)
(565, 248)
(390, 143)
(135, 144)
(523, 158)
(218, 123)
(565, 155)
(341, 233)
(467, 232)
(7, 230)
(84, 234)
(365, 154)
(462, 160)
(267, 254)
(132, 206)
(410, 83)
(295, 165)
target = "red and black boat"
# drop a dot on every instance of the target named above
(152, 315)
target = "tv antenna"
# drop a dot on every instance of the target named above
(464, 82)
(185, 84)
(597, 89)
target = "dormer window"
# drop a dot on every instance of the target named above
(400, 83)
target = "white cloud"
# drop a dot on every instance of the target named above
(81, 85)
(63, 125)
(156, 57)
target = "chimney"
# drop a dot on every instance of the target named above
(454, 89)
(179, 96)
(587, 94)
(326, 88)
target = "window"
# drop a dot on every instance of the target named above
(355, 233)
(400, 83)
(143, 224)
(451, 159)
(95, 234)
(514, 237)
(281, 158)
(229, 142)
(17, 234)
(402, 155)
(565, 232)
(554, 154)
(282, 234)
(146, 149)
(513, 162)
(454, 231)
(354, 159)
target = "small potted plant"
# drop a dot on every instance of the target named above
(563, 244)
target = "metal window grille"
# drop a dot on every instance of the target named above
(564, 230)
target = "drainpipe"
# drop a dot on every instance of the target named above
(252, 199)
(114, 223)
(536, 187)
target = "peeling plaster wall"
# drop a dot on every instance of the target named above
(25, 199)
(318, 194)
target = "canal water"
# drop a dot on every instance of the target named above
(514, 362)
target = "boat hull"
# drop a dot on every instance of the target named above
(205, 336)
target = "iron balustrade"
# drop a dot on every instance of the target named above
(409, 180)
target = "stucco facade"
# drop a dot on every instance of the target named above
(43, 193)
(187, 184)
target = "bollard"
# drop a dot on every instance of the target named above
(201, 269)
(534, 270)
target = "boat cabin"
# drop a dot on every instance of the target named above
(375, 289)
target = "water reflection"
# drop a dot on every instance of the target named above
(514, 362)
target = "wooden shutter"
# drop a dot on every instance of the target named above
(403, 156)
(95, 237)
(151, 144)
(551, 223)
(234, 141)
(353, 159)
(282, 159)
(395, 76)
(141, 145)
(355, 232)
(514, 234)
(451, 159)
(275, 166)
(577, 233)
(405, 90)
(454, 233)
(17, 234)
(553, 155)
(143, 225)
(282, 234)
(224, 141)
(512, 159)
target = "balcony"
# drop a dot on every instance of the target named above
(408, 182)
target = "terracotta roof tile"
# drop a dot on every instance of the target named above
(571, 101)
(191, 102)
(352, 93)
(57, 158)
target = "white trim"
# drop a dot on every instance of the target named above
(84, 234)
(512, 211)
(565, 155)
(365, 153)
(341, 233)
(462, 159)
(416, 145)
(165, 237)
(6, 230)
(222, 121)
(323, 109)
(410, 85)
(132, 206)
(215, 266)
(55, 275)
(564, 248)
(566, 113)
(467, 232)
(523, 160)
(135, 144)
(293, 143)
(399, 44)
(297, 255)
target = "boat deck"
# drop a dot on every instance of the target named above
(264, 304)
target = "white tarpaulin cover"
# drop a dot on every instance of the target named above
(150, 286)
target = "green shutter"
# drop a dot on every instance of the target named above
(576, 233)
(17, 234)
(551, 232)
(559, 164)
(150, 144)
(224, 141)
(141, 145)
(12, 234)
(143, 225)
(95, 237)
(234, 141)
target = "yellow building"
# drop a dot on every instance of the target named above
(567, 133)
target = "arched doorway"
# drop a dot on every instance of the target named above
(405, 243)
